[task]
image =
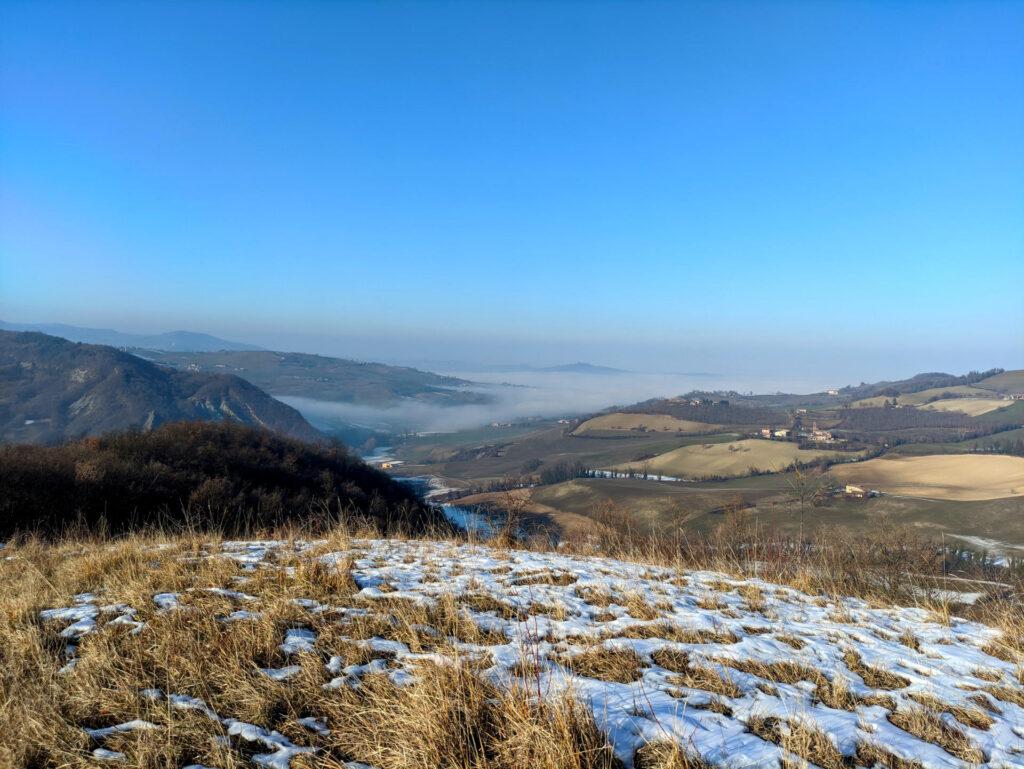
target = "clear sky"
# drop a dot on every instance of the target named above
(671, 187)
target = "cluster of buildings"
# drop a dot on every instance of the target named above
(819, 436)
(815, 435)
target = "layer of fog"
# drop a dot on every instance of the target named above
(519, 395)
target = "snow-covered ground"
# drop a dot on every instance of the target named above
(727, 668)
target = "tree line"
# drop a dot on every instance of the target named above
(204, 475)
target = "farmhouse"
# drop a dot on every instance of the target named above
(820, 436)
(781, 433)
(859, 492)
(766, 432)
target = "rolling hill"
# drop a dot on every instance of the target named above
(1006, 381)
(52, 389)
(738, 458)
(944, 476)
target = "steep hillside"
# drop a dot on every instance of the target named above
(52, 389)
(329, 379)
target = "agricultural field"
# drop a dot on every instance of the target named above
(973, 407)
(706, 460)
(574, 508)
(643, 423)
(923, 396)
(506, 454)
(939, 476)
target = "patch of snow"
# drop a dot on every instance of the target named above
(281, 674)
(102, 754)
(558, 606)
(298, 639)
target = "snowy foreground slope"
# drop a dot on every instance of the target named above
(740, 673)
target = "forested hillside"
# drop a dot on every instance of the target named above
(221, 476)
(52, 389)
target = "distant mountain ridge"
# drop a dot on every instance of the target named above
(302, 375)
(189, 341)
(512, 368)
(582, 368)
(52, 389)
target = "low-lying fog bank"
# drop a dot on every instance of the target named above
(519, 395)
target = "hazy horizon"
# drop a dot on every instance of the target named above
(782, 368)
(815, 194)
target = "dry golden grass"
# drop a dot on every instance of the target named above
(810, 744)
(448, 716)
(673, 632)
(927, 725)
(875, 677)
(694, 676)
(605, 664)
(792, 640)
(967, 716)
(640, 608)
(1011, 694)
(785, 672)
(667, 755)
(870, 754)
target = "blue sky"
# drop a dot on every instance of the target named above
(678, 186)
